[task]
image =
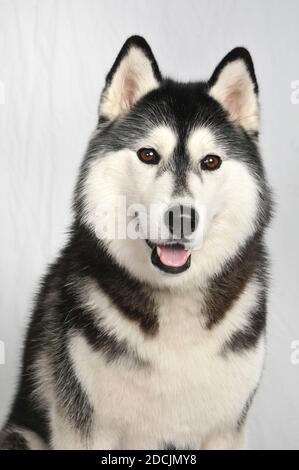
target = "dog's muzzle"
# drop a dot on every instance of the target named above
(181, 221)
(173, 256)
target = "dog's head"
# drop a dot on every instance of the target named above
(172, 184)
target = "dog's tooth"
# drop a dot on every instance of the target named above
(158, 250)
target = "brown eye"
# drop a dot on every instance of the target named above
(211, 163)
(149, 156)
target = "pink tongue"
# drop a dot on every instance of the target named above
(173, 256)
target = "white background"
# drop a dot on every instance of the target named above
(53, 59)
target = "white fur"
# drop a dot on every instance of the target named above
(234, 89)
(64, 435)
(202, 142)
(133, 79)
(189, 393)
(33, 441)
(226, 200)
(185, 390)
(163, 139)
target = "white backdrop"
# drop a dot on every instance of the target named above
(53, 58)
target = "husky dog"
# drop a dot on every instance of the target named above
(155, 342)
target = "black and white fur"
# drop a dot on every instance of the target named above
(118, 354)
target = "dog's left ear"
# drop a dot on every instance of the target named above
(134, 74)
(234, 85)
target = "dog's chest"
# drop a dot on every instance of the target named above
(183, 388)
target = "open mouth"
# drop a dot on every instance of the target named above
(170, 258)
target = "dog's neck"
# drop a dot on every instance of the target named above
(139, 301)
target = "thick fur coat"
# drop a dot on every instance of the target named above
(139, 343)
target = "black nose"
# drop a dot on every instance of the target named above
(181, 221)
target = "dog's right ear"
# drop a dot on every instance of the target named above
(134, 74)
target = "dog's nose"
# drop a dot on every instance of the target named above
(181, 221)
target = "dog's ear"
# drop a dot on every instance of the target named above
(233, 84)
(134, 73)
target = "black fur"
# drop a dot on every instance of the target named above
(237, 53)
(59, 311)
(133, 298)
(248, 337)
(171, 446)
(13, 440)
(182, 107)
(245, 410)
(140, 43)
(73, 402)
(226, 287)
(84, 256)
(26, 411)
